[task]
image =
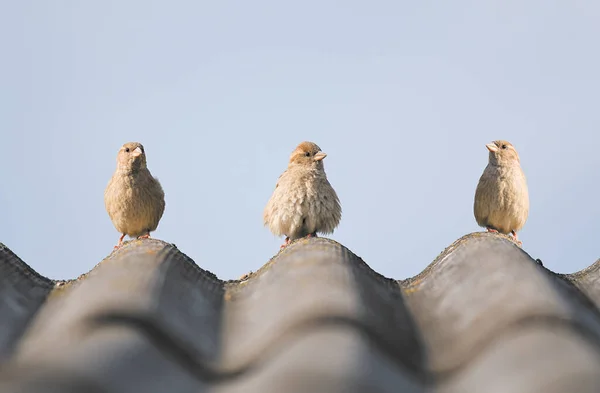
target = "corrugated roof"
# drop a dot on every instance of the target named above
(483, 317)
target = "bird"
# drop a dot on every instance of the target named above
(303, 202)
(502, 198)
(134, 199)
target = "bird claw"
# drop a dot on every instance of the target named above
(514, 235)
(120, 243)
(146, 236)
(285, 244)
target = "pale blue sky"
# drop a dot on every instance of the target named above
(403, 96)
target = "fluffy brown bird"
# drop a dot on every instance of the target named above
(303, 202)
(502, 199)
(134, 199)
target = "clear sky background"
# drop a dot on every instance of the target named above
(402, 95)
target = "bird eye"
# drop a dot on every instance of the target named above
(307, 154)
(127, 149)
(504, 146)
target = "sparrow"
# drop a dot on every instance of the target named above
(303, 202)
(134, 199)
(502, 199)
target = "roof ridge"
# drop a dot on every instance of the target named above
(405, 283)
(16, 264)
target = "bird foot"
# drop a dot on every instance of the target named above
(491, 230)
(285, 244)
(146, 236)
(514, 234)
(120, 243)
(312, 235)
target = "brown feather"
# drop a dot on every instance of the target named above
(502, 198)
(134, 199)
(303, 201)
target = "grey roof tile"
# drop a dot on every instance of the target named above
(483, 316)
(22, 292)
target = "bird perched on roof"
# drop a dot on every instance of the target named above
(303, 202)
(134, 199)
(502, 199)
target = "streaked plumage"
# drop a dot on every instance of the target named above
(502, 198)
(134, 199)
(303, 202)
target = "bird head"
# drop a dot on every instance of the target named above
(309, 155)
(131, 157)
(502, 153)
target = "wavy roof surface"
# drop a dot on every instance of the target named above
(483, 317)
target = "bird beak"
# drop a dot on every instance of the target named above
(319, 156)
(137, 151)
(492, 147)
